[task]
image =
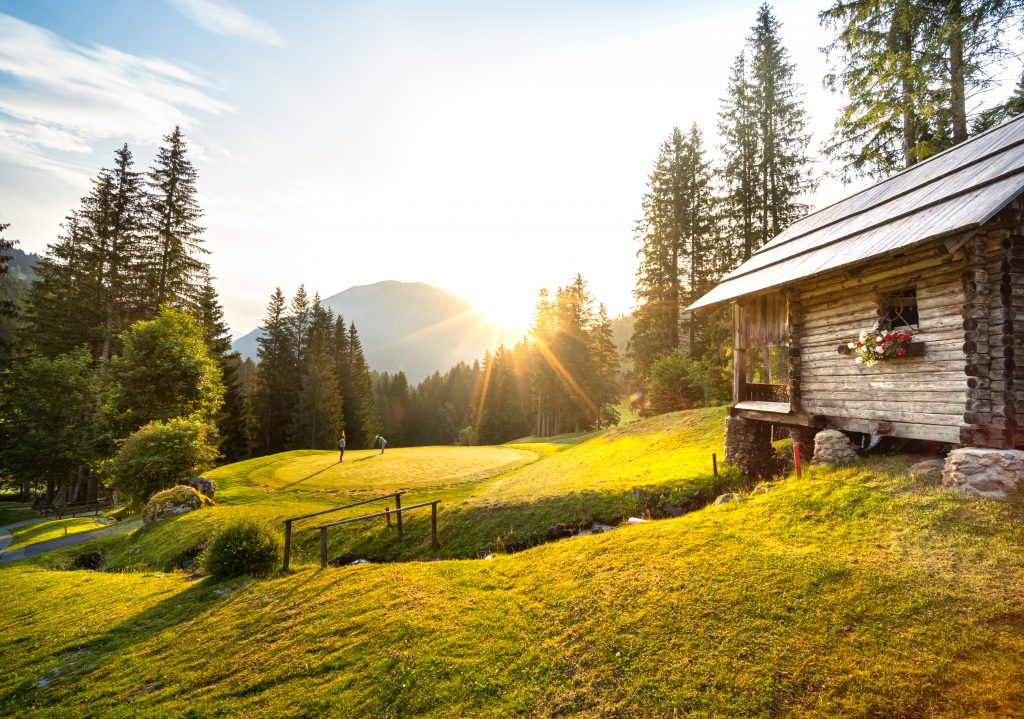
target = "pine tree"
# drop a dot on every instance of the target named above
(740, 150)
(278, 380)
(236, 422)
(317, 420)
(362, 421)
(116, 214)
(783, 162)
(176, 274)
(908, 69)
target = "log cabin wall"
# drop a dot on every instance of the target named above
(914, 397)
(993, 336)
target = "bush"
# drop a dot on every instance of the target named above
(89, 559)
(161, 455)
(246, 546)
(677, 382)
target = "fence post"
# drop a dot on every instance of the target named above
(714, 463)
(323, 547)
(387, 514)
(398, 513)
(433, 524)
(287, 543)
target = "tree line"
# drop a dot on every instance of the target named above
(908, 69)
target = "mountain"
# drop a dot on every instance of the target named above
(408, 326)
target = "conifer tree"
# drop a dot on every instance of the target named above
(236, 422)
(278, 382)
(362, 421)
(783, 161)
(175, 273)
(740, 149)
(908, 69)
(317, 419)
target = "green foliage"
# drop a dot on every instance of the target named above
(246, 546)
(907, 70)
(166, 371)
(677, 382)
(161, 455)
(50, 420)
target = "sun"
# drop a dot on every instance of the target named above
(506, 311)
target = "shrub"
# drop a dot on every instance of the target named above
(161, 455)
(677, 382)
(89, 559)
(246, 546)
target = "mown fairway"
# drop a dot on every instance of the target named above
(848, 593)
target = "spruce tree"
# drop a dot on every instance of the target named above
(176, 274)
(783, 162)
(236, 422)
(740, 149)
(317, 420)
(362, 421)
(278, 380)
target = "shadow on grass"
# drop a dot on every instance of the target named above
(310, 476)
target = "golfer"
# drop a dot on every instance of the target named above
(341, 448)
(383, 442)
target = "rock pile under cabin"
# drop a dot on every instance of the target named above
(896, 312)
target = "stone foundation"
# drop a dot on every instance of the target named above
(748, 445)
(832, 447)
(988, 473)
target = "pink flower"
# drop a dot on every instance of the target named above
(900, 351)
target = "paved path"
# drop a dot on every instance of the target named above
(49, 545)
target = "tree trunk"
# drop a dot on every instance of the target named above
(957, 93)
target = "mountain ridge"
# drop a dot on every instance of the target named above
(410, 327)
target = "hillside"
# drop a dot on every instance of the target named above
(409, 327)
(848, 593)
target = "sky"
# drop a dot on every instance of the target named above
(489, 149)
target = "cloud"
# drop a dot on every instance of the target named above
(223, 18)
(59, 97)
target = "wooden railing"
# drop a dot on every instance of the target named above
(288, 522)
(756, 392)
(387, 514)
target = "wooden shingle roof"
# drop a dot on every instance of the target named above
(953, 192)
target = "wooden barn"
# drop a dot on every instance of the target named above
(936, 251)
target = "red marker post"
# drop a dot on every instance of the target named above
(796, 458)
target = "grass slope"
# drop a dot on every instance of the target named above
(492, 498)
(851, 593)
(848, 593)
(51, 529)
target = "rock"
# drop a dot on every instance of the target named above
(176, 500)
(558, 531)
(489, 557)
(358, 561)
(672, 510)
(760, 489)
(988, 473)
(748, 446)
(724, 498)
(595, 528)
(202, 485)
(636, 520)
(832, 447)
(928, 472)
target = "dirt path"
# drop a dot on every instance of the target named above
(60, 542)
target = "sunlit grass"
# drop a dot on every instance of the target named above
(50, 529)
(849, 593)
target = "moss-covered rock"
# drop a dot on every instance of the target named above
(176, 500)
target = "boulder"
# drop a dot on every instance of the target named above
(203, 486)
(832, 447)
(176, 500)
(928, 472)
(760, 489)
(988, 473)
(723, 498)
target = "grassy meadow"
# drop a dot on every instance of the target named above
(850, 592)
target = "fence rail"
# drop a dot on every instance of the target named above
(289, 520)
(387, 514)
